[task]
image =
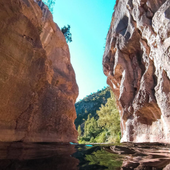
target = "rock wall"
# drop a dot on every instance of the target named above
(37, 82)
(137, 65)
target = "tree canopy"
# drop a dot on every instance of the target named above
(109, 119)
(106, 128)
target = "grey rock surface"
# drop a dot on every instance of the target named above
(136, 62)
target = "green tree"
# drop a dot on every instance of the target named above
(91, 130)
(102, 128)
(109, 119)
(86, 128)
(79, 130)
(102, 137)
(66, 31)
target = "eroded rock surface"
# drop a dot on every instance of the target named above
(37, 82)
(137, 65)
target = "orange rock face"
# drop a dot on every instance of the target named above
(136, 63)
(37, 82)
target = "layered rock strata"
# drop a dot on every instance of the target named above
(137, 65)
(37, 82)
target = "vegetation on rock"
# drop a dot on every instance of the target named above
(66, 31)
(102, 125)
(50, 4)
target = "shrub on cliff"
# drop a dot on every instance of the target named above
(66, 31)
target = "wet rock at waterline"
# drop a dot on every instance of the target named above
(137, 65)
(37, 82)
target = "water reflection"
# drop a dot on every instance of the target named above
(54, 156)
(97, 158)
(35, 156)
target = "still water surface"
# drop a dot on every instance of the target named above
(54, 156)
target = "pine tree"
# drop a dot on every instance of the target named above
(106, 128)
(109, 119)
(79, 132)
(86, 128)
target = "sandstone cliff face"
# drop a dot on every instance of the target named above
(137, 65)
(37, 82)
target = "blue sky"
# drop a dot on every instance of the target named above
(89, 21)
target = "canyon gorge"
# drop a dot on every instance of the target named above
(38, 89)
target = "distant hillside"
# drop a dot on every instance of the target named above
(90, 104)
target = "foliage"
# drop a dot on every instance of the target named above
(66, 31)
(89, 105)
(104, 129)
(101, 138)
(79, 131)
(110, 120)
(91, 130)
(50, 4)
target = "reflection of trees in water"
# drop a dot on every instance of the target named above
(54, 156)
(142, 156)
(97, 158)
(104, 158)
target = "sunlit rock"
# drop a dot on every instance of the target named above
(137, 65)
(37, 82)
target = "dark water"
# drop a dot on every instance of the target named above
(54, 156)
